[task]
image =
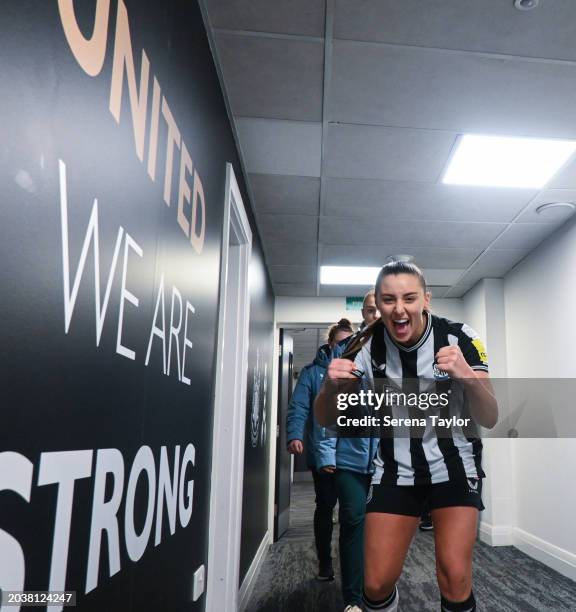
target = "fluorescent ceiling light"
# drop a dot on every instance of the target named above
(499, 161)
(348, 275)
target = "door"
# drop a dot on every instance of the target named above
(283, 460)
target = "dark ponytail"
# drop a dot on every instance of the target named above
(342, 325)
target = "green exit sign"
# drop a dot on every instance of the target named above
(354, 303)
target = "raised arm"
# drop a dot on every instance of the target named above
(338, 379)
(477, 386)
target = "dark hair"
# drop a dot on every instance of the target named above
(394, 267)
(342, 325)
(400, 267)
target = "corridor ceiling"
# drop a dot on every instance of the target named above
(347, 112)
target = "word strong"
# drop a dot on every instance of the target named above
(90, 54)
(167, 489)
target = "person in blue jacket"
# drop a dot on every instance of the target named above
(354, 467)
(303, 432)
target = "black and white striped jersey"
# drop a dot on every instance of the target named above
(410, 455)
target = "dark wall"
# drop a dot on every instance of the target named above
(258, 426)
(84, 395)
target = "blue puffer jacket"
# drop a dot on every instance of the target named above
(355, 454)
(300, 421)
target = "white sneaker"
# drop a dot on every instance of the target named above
(352, 608)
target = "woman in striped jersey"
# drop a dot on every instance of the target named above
(426, 454)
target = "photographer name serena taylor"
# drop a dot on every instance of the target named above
(434, 420)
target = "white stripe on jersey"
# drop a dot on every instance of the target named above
(461, 443)
(432, 452)
(402, 453)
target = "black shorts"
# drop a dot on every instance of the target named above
(413, 500)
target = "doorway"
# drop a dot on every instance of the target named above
(230, 405)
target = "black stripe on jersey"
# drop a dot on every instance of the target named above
(378, 355)
(410, 384)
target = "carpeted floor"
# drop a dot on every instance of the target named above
(505, 580)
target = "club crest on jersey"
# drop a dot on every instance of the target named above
(440, 374)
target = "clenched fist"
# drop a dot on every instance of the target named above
(340, 368)
(450, 359)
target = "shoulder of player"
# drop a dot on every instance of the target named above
(460, 330)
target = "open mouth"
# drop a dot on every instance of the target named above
(401, 326)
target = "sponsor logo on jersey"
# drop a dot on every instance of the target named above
(473, 485)
(481, 350)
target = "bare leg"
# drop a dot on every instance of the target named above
(455, 536)
(386, 541)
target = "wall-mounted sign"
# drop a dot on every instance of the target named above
(354, 302)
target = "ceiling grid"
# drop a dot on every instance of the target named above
(347, 114)
(327, 79)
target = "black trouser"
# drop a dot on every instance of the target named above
(325, 489)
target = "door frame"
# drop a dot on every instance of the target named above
(225, 524)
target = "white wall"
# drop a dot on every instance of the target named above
(540, 295)
(484, 311)
(313, 310)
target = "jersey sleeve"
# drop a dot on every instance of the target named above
(473, 348)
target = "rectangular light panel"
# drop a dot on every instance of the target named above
(348, 275)
(501, 161)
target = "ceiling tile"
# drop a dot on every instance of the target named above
(524, 236)
(285, 194)
(368, 255)
(280, 147)
(557, 216)
(293, 274)
(444, 277)
(276, 78)
(406, 200)
(290, 253)
(343, 290)
(565, 178)
(458, 291)
(304, 17)
(432, 89)
(289, 228)
(359, 151)
(493, 264)
(417, 233)
(489, 26)
(295, 289)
